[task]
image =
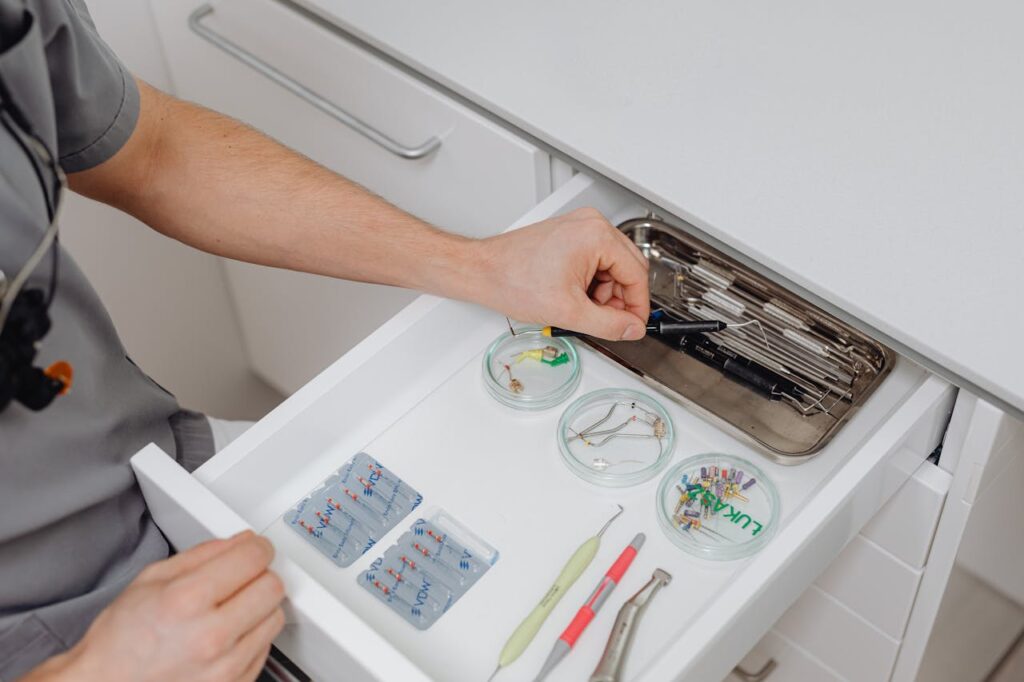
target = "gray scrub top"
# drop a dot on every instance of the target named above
(73, 524)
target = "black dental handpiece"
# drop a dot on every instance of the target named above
(658, 328)
(680, 328)
(747, 372)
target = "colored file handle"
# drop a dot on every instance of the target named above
(600, 593)
(567, 640)
(527, 630)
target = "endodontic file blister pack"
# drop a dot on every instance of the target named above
(431, 566)
(355, 507)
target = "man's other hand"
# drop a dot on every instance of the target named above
(206, 614)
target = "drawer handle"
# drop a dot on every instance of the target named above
(761, 675)
(195, 22)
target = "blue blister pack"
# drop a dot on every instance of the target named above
(428, 569)
(355, 507)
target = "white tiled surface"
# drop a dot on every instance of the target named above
(874, 584)
(839, 638)
(905, 526)
(793, 664)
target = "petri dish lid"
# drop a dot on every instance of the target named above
(616, 437)
(530, 371)
(723, 515)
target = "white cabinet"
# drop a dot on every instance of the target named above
(870, 615)
(499, 472)
(851, 623)
(477, 181)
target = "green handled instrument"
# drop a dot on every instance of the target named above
(572, 570)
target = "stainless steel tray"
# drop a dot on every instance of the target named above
(834, 366)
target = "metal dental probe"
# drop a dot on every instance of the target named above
(527, 630)
(609, 669)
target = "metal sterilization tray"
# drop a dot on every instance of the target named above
(810, 370)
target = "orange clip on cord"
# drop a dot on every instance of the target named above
(63, 372)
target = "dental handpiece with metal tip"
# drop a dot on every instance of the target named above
(574, 567)
(658, 328)
(609, 668)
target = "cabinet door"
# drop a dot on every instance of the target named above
(294, 78)
(982, 449)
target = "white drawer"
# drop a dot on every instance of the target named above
(839, 638)
(435, 425)
(792, 664)
(906, 525)
(873, 584)
(478, 180)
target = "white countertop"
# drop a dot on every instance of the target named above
(870, 152)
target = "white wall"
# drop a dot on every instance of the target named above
(169, 302)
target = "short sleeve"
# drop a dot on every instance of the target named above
(95, 98)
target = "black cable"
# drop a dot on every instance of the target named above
(9, 116)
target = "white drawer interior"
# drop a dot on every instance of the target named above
(499, 472)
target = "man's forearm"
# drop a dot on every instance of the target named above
(185, 165)
(220, 186)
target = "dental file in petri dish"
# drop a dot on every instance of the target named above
(616, 437)
(718, 506)
(530, 371)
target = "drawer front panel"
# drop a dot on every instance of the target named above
(478, 180)
(873, 584)
(792, 664)
(904, 527)
(839, 638)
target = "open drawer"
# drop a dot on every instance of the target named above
(498, 471)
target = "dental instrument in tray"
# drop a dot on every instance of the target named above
(765, 363)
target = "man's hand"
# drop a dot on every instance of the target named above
(574, 271)
(206, 614)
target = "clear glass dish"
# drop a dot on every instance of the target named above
(616, 437)
(718, 507)
(530, 371)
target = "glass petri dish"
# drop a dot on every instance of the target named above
(730, 510)
(530, 371)
(616, 437)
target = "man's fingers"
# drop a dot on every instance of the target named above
(608, 322)
(252, 604)
(635, 250)
(602, 292)
(240, 658)
(227, 572)
(629, 273)
(252, 672)
(191, 558)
